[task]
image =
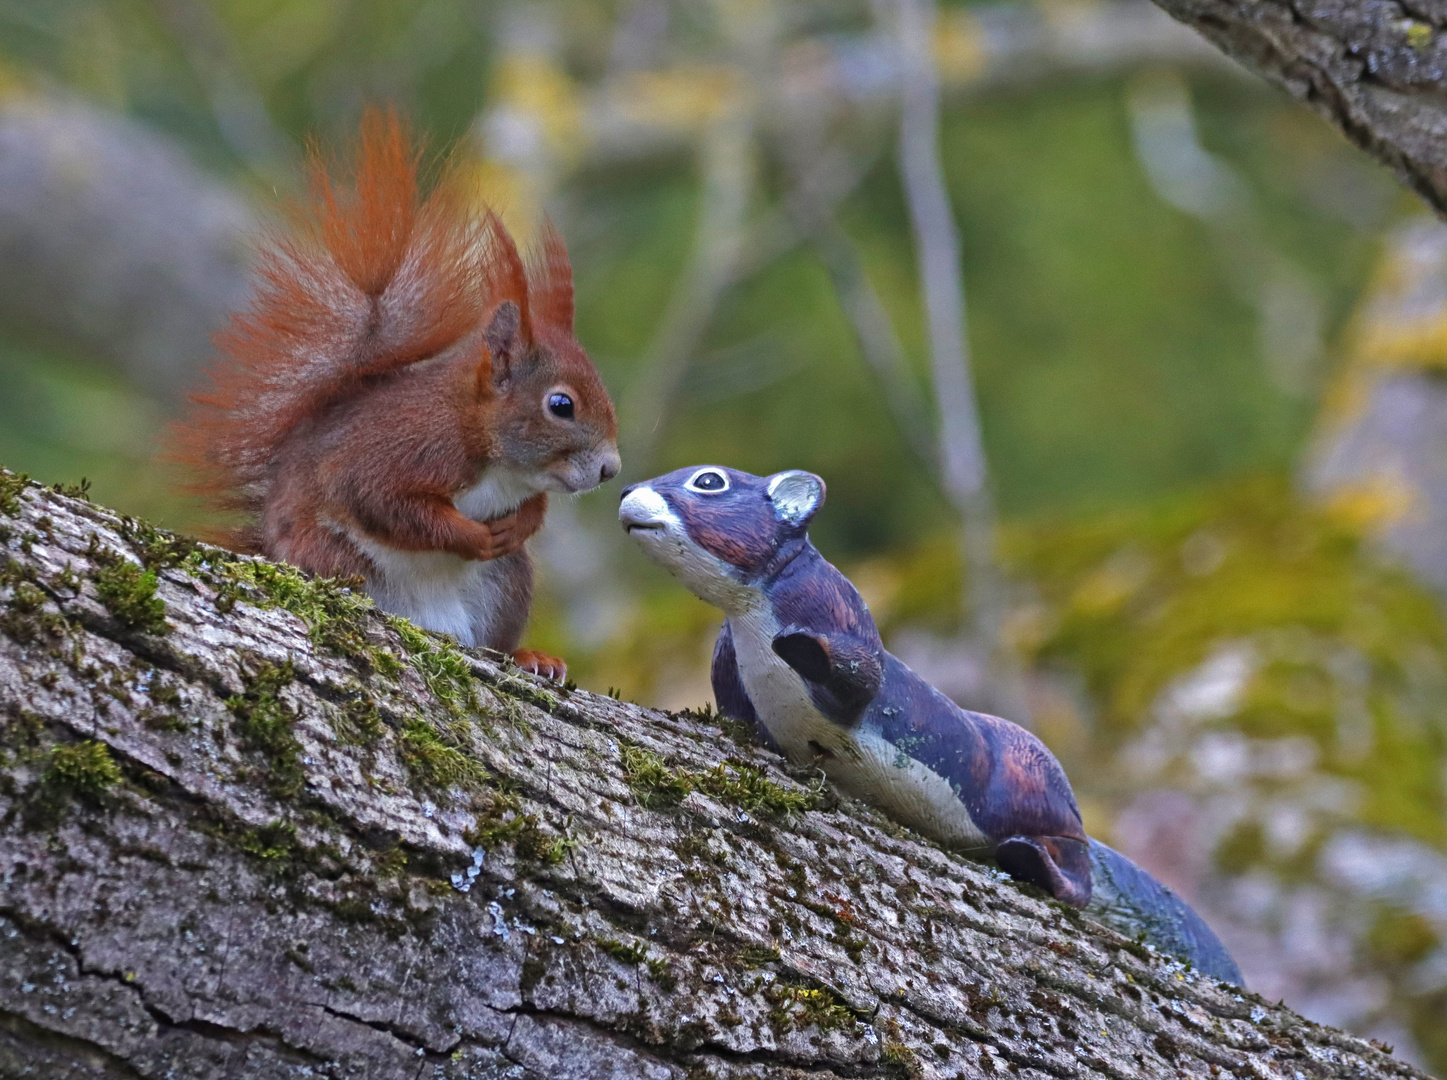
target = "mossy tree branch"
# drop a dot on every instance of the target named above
(250, 828)
(1376, 70)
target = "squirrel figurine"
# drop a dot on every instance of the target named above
(400, 397)
(800, 660)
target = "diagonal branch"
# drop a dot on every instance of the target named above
(1373, 70)
(251, 827)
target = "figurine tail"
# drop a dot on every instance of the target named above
(1130, 901)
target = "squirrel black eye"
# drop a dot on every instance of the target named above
(709, 480)
(560, 405)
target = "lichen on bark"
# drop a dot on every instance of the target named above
(275, 843)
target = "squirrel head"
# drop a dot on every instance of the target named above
(719, 530)
(543, 407)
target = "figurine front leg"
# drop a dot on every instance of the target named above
(843, 672)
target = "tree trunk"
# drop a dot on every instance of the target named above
(253, 828)
(1375, 70)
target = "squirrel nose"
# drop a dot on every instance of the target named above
(611, 465)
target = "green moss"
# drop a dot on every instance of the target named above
(749, 788)
(513, 690)
(129, 593)
(503, 822)
(500, 822)
(81, 771)
(536, 846)
(265, 724)
(661, 972)
(360, 724)
(276, 842)
(900, 1059)
(24, 619)
(158, 549)
(756, 956)
(334, 609)
(443, 668)
(73, 491)
(852, 944)
(85, 769)
(433, 762)
(655, 784)
(629, 954)
(797, 1007)
(391, 863)
(11, 487)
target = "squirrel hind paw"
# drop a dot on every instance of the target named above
(1058, 864)
(541, 664)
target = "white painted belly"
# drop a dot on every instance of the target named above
(860, 762)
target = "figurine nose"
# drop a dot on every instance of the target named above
(628, 491)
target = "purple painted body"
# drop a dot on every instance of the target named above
(1017, 803)
(799, 658)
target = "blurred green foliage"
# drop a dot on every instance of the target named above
(1331, 724)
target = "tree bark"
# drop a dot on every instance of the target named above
(1375, 70)
(253, 828)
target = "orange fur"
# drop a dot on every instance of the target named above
(367, 281)
(397, 364)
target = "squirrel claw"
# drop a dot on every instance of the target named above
(541, 664)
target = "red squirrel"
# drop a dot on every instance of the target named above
(401, 395)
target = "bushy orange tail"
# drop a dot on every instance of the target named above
(365, 281)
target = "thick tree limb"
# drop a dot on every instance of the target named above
(234, 846)
(1375, 70)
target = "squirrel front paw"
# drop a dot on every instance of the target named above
(549, 667)
(502, 536)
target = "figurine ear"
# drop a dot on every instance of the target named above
(796, 496)
(504, 342)
(805, 653)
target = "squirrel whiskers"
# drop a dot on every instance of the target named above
(401, 394)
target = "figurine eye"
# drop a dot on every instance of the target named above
(708, 481)
(561, 406)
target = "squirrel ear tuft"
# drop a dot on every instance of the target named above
(504, 341)
(796, 496)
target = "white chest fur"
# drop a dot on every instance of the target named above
(441, 591)
(861, 762)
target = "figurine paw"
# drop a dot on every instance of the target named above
(1058, 864)
(549, 667)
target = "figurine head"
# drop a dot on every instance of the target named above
(718, 530)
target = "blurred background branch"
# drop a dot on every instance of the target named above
(726, 165)
(963, 468)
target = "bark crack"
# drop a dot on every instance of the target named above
(67, 1047)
